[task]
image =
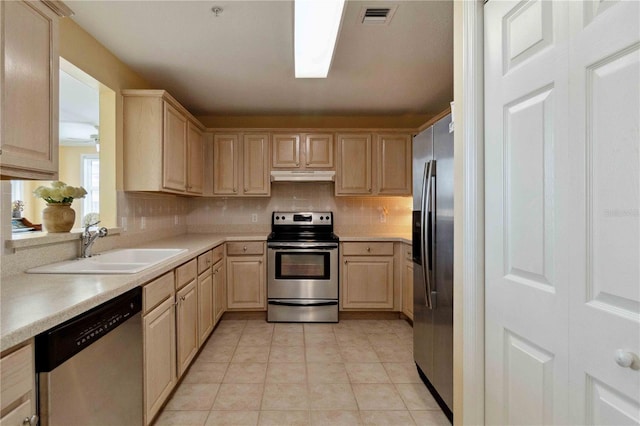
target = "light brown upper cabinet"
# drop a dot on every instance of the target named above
(241, 169)
(163, 144)
(353, 175)
(29, 105)
(294, 151)
(195, 159)
(394, 161)
(373, 164)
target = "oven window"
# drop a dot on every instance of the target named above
(302, 265)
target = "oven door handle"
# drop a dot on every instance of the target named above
(302, 247)
(282, 303)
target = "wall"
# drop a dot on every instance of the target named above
(352, 215)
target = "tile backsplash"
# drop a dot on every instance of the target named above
(355, 215)
(144, 217)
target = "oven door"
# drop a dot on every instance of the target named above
(302, 273)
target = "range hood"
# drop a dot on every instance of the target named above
(303, 176)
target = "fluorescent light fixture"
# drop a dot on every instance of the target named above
(316, 29)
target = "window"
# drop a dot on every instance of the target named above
(91, 182)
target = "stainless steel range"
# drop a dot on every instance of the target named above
(302, 268)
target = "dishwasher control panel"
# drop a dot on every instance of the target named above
(55, 346)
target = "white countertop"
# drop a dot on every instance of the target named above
(33, 303)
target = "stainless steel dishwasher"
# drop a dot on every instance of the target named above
(90, 367)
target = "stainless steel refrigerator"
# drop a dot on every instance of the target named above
(432, 230)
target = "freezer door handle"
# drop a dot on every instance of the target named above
(426, 209)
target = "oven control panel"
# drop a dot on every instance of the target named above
(302, 218)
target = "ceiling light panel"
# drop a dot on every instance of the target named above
(316, 27)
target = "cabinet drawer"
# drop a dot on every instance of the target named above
(218, 253)
(205, 261)
(186, 273)
(154, 292)
(367, 249)
(240, 248)
(16, 375)
(17, 415)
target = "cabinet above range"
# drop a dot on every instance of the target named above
(163, 144)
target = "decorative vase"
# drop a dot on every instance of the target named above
(58, 217)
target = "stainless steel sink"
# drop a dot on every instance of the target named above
(125, 261)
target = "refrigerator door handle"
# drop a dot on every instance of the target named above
(426, 207)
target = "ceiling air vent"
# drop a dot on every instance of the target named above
(377, 15)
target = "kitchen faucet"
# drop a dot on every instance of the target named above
(88, 238)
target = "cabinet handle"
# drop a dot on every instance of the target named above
(30, 421)
(235, 189)
(625, 359)
(246, 190)
(297, 164)
(183, 298)
(259, 262)
(345, 262)
(368, 249)
(244, 248)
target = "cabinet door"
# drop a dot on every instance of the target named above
(407, 289)
(318, 151)
(245, 283)
(286, 151)
(226, 158)
(256, 179)
(29, 87)
(353, 174)
(394, 164)
(159, 335)
(205, 306)
(367, 282)
(195, 163)
(220, 288)
(174, 150)
(187, 324)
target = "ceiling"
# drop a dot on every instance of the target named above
(242, 61)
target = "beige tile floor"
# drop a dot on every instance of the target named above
(350, 373)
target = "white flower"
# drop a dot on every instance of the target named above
(59, 192)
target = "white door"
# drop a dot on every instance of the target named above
(604, 227)
(561, 150)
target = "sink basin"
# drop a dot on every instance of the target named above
(125, 261)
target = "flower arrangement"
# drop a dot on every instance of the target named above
(17, 206)
(59, 193)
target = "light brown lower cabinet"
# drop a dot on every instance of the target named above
(220, 290)
(367, 276)
(407, 288)
(17, 387)
(205, 297)
(187, 325)
(159, 335)
(205, 305)
(246, 274)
